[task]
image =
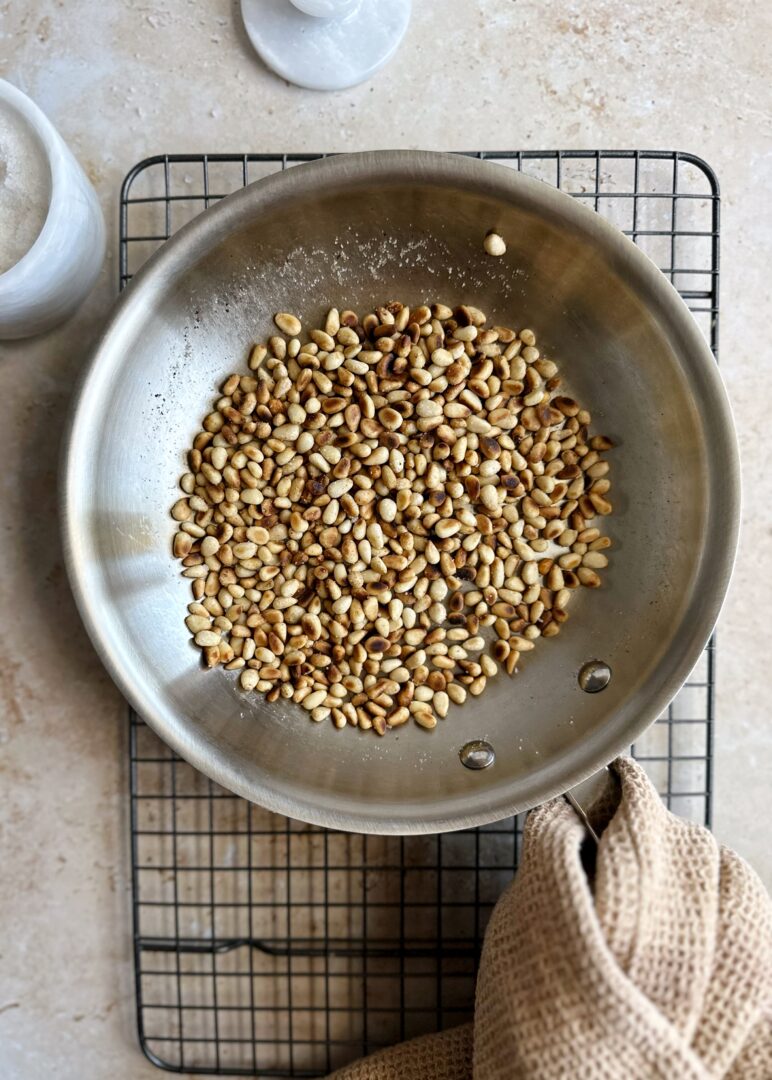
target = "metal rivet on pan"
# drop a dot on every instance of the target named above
(594, 676)
(477, 754)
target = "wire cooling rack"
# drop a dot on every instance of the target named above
(267, 947)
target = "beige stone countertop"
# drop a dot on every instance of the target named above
(122, 81)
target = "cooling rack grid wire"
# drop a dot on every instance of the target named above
(267, 947)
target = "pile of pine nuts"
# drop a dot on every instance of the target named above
(378, 519)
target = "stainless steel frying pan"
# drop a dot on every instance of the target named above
(353, 231)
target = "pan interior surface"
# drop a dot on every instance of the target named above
(354, 232)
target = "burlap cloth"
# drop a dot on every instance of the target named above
(659, 967)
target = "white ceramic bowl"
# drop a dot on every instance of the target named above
(49, 282)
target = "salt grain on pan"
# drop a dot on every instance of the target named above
(25, 188)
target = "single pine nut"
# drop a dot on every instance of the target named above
(494, 244)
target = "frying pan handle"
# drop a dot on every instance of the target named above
(594, 792)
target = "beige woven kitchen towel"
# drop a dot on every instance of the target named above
(660, 968)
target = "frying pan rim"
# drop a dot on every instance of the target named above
(424, 167)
